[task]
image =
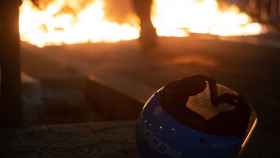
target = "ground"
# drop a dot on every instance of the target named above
(250, 67)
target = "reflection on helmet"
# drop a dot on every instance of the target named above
(194, 118)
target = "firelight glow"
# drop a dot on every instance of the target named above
(54, 26)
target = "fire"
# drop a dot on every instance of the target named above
(179, 17)
(51, 26)
(64, 22)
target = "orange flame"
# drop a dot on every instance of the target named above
(50, 27)
(54, 26)
(179, 17)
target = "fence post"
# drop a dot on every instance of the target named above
(10, 110)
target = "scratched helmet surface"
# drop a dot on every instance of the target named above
(194, 118)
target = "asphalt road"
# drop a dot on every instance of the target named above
(248, 68)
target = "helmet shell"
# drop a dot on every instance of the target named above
(162, 133)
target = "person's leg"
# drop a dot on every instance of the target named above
(143, 9)
(10, 111)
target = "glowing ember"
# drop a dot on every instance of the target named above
(65, 22)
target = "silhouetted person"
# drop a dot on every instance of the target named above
(10, 110)
(143, 9)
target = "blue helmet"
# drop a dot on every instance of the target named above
(194, 118)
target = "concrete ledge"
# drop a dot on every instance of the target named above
(111, 104)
